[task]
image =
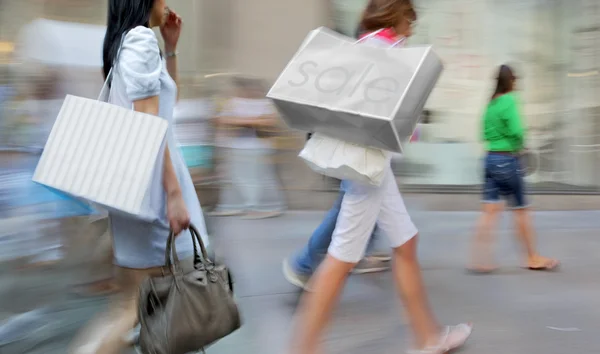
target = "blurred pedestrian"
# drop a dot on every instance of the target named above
(142, 76)
(504, 136)
(248, 164)
(96, 275)
(35, 113)
(363, 206)
(298, 268)
(6, 95)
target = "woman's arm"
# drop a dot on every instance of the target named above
(231, 121)
(171, 31)
(267, 120)
(514, 123)
(177, 213)
(172, 67)
(249, 122)
(140, 65)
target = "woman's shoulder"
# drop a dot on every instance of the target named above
(510, 97)
(141, 34)
(502, 106)
(141, 41)
(140, 63)
(377, 41)
(503, 101)
(381, 38)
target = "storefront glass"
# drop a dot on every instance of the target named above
(555, 47)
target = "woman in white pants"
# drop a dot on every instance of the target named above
(363, 206)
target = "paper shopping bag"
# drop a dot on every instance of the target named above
(367, 95)
(345, 161)
(104, 154)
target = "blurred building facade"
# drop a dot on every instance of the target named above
(554, 45)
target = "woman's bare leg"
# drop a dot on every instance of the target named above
(525, 232)
(316, 307)
(407, 273)
(483, 241)
(527, 237)
(106, 334)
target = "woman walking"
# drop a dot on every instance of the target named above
(142, 76)
(247, 156)
(504, 136)
(385, 22)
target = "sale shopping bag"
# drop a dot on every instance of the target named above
(367, 95)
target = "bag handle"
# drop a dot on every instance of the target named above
(171, 258)
(205, 260)
(370, 35)
(105, 87)
(110, 72)
(401, 41)
(374, 33)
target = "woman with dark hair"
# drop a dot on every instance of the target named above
(384, 22)
(142, 77)
(504, 136)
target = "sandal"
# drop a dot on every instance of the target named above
(546, 264)
(452, 338)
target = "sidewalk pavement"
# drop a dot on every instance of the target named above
(515, 311)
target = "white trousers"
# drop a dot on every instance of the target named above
(364, 206)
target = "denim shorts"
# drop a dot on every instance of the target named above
(504, 178)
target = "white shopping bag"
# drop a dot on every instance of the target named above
(104, 154)
(343, 160)
(368, 95)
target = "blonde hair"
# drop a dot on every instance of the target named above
(386, 13)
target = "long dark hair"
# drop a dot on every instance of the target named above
(123, 15)
(504, 81)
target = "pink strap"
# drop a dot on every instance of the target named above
(388, 35)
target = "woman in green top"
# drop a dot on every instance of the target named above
(504, 137)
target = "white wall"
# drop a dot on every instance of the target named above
(266, 33)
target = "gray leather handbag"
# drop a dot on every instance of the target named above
(182, 312)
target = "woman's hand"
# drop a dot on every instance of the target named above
(171, 30)
(177, 213)
(234, 122)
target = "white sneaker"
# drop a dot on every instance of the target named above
(371, 264)
(293, 277)
(452, 338)
(383, 257)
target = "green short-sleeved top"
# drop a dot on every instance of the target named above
(503, 128)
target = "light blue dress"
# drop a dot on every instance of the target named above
(140, 72)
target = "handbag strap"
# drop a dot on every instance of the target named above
(171, 257)
(203, 251)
